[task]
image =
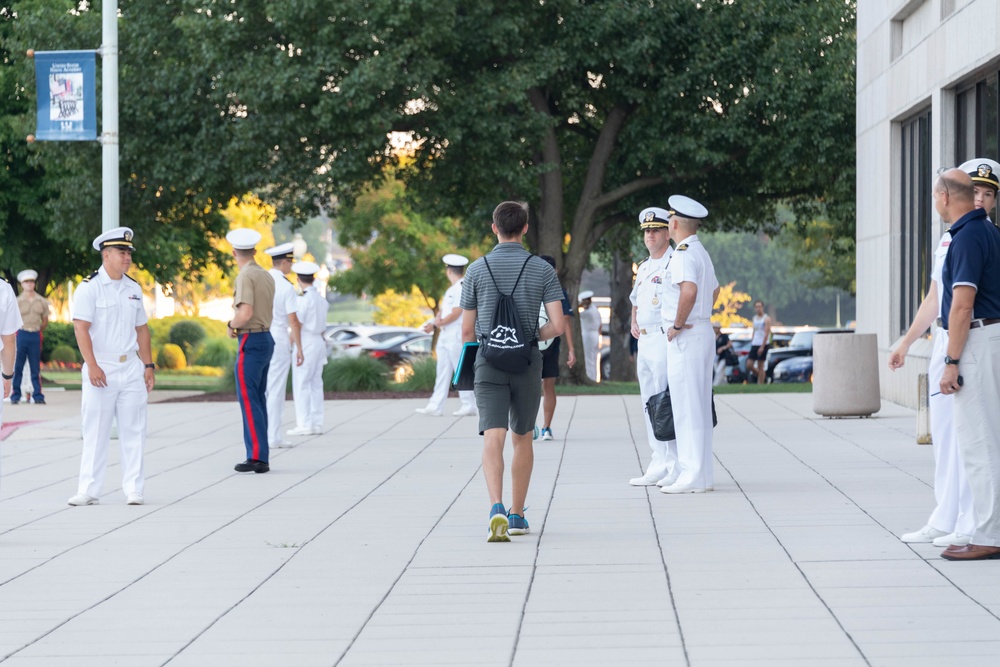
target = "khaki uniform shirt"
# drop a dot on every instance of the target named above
(255, 286)
(33, 312)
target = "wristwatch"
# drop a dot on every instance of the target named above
(948, 361)
(677, 328)
(153, 366)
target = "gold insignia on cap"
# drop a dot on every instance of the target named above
(985, 170)
(650, 216)
(128, 235)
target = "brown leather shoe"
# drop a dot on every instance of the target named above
(971, 552)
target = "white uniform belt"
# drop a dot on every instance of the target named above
(653, 329)
(111, 357)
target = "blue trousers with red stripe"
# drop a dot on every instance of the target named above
(252, 361)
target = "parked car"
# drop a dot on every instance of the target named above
(399, 352)
(796, 369)
(741, 346)
(801, 345)
(351, 338)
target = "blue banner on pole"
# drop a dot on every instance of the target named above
(67, 95)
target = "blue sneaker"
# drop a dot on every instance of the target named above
(534, 433)
(517, 524)
(498, 524)
(546, 434)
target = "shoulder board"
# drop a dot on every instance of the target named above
(87, 279)
(642, 262)
(5, 280)
(682, 247)
(132, 279)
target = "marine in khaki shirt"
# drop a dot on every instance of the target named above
(254, 287)
(34, 311)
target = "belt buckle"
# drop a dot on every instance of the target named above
(123, 358)
(642, 331)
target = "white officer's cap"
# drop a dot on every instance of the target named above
(686, 207)
(452, 259)
(654, 217)
(283, 251)
(27, 274)
(243, 239)
(119, 237)
(305, 268)
(585, 294)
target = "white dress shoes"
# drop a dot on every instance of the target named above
(643, 481)
(300, 430)
(925, 534)
(134, 499)
(679, 488)
(952, 539)
(83, 499)
(464, 411)
(669, 480)
(429, 412)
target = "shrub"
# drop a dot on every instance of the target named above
(171, 356)
(422, 377)
(355, 374)
(63, 354)
(219, 352)
(56, 334)
(187, 334)
(159, 329)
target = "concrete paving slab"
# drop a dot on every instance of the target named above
(366, 546)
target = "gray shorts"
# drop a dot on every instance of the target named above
(508, 398)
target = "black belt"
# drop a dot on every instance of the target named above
(240, 332)
(974, 324)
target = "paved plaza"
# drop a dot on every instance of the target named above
(367, 546)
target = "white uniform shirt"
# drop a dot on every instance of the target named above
(10, 314)
(647, 293)
(285, 302)
(451, 333)
(114, 309)
(590, 323)
(311, 311)
(939, 254)
(690, 263)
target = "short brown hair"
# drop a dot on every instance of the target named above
(510, 217)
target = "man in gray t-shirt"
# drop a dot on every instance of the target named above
(505, 398)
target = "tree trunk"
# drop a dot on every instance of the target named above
(622, 365)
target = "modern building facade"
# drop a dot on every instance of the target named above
(927, 99)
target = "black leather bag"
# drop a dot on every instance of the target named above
(661, 415)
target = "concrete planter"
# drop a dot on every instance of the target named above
(845, 375)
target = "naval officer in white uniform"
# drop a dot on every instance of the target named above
(110, 326)
(10, 323)
(690, 294)
(648, 329)
(449, 343)
(286, 332)
(307, 379)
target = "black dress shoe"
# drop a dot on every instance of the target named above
(252, 465)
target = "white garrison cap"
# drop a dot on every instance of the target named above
(687, 207)
(243, 239)
(455, 260)
(283, 251)
(27, 274)
(305, 268)
(654, 217)
(585, 294)
(119, 237)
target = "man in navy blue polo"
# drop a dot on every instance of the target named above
(970, 312)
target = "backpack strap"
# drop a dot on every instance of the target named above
(515, 282)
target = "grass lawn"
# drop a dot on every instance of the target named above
(71, 380)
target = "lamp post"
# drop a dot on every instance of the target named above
(109, 115)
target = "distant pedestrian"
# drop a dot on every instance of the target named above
(761, 340)
(253, 302)
(307, 379)
(449, 343)
(689, 297)
(723, 352)
(550, 361)
(34, 310)
(647, 328)
(590, 331)
(286, 332)
(506, 399)
(111, 330)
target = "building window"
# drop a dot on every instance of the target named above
(916, 249)
(977, 117)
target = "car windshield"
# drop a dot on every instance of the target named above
(802, 339)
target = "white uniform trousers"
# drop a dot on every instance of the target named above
(590, 352)
(277, 383)
(689, 374)
(307, 383)
(651, 369)
(447, 362)
(954, 511)
(124, 401)
(977, 425)
(719, 378)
